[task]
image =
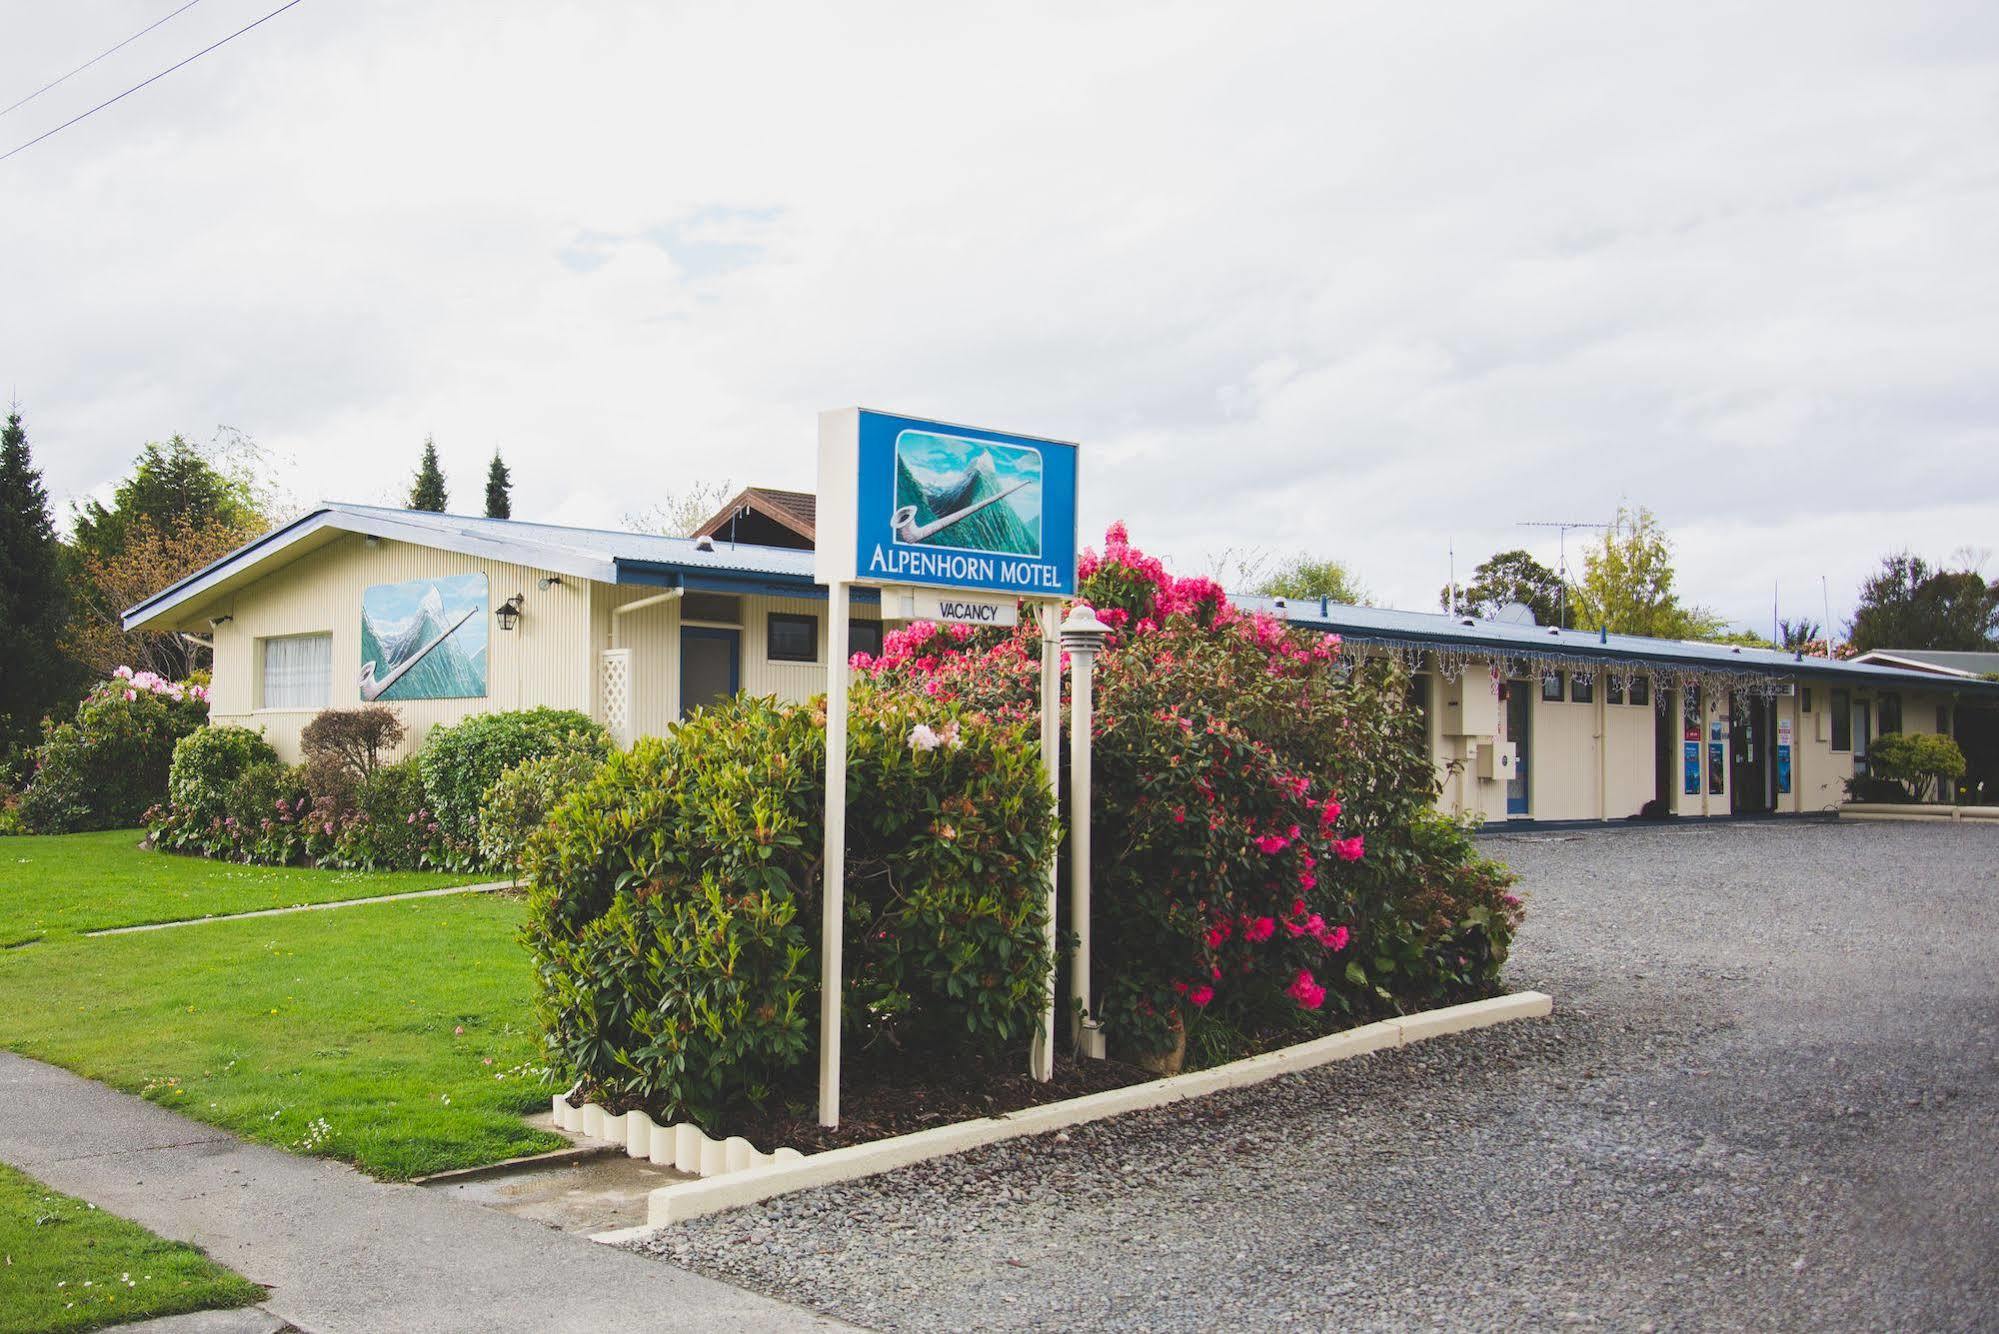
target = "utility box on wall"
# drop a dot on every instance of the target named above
(1498, 762)
(1471, 706)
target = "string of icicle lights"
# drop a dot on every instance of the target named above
(1452, 662)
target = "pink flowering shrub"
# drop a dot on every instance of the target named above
(1266, 856)
(108, 763)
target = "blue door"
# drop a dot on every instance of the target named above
(710, 666)
(1519, 715)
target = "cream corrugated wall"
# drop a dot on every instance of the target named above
(546, 659)
(653, 635)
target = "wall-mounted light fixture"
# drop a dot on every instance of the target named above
(549, 581)
(217, 622)
(510, 611)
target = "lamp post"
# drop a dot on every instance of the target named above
(1082, 635)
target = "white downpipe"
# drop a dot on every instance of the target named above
(833, 874)
(1082, 634)
(1041, 1059)
(619, 613)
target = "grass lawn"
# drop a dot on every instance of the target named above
(396, 1036)
(69, 1266)
(59, 884)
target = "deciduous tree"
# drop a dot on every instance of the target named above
(1509, 576)
(1627, 584)
(1909, 604)
(149, 559)
(1306, 576)
(182, 507)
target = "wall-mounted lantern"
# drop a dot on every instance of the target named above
(510, 611)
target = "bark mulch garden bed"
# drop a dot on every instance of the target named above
(879, 1103)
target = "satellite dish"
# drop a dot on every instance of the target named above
(1515, 613)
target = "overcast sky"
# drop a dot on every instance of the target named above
(1363, 280)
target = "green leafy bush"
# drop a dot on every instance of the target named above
(461, 761)
(263, 820)
(713, 835)
(393, 828)
(519, 802)
(1918, 762)
(207, 763)
(108, 765)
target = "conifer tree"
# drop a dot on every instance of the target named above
(499, 489)
(427, 492)
(34, 600)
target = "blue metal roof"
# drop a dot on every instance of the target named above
(606, 555)
(1419, 629)
(616, 557)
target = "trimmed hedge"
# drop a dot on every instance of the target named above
(519, 802)
(206, 764)
(462, 761)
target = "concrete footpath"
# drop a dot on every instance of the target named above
(341, 1252)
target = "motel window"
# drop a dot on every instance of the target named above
(713, 608)
(1805, 698)
(296, 672)
(1641, 690)
(793, 638)
(1582, 689)
(1842, 720)
(1613, 689)
(864, 637)
(1551, 685)
(1891, 714)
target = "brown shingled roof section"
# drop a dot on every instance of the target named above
(796, 510)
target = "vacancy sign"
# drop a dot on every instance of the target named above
(923, 604)
(905, 501)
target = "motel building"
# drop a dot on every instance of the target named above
(442, 616)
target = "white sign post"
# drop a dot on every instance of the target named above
(1041, 1060)
(833, 872)
(1082, 635)
(947, 513)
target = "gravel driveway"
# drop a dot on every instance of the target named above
(1768, 1098)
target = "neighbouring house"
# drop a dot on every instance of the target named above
(761, 516)
(1975, 723)
(444, 615)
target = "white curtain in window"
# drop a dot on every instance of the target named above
(298, 672)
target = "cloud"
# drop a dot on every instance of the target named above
(1360, 280)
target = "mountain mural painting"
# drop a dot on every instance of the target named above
(967, 495)
(425, 639)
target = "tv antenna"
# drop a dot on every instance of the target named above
(1561, 562)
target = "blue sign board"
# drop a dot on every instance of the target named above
(947, 506)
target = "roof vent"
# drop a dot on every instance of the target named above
(1469, 620)
(704, 543)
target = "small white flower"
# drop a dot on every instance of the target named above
(922, 738)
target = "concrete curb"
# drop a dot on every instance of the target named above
(692, 1199)
(486, 887)
(1932, 814)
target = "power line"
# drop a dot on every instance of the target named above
(155, 79)
(99, 56)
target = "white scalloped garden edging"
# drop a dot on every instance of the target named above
(725, 1185)
(683, 1146)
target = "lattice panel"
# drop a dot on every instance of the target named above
(615, 690)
